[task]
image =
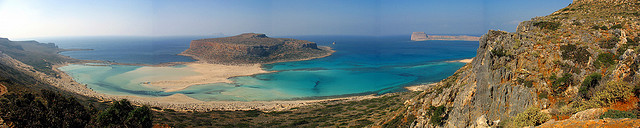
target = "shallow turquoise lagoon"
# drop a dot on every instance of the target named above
(361, 65)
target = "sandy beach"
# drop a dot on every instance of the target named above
(421, 87)
(208, 73)
(463, 60)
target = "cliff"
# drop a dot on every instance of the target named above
(253, 48)
(42, 56)
(552, 68)
(418, 36)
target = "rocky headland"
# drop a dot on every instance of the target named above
(252, 48)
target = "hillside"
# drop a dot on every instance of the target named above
(253, 48)
(582, 57)
(42, 56)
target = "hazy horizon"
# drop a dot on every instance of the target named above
(73, 18)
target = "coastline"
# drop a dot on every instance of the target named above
(209, 73)
(462, 60)
(181, 102)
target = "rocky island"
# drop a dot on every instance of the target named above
(251, 48)
(421, 36)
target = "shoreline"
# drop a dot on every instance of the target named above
(461, 61)
(181, 102)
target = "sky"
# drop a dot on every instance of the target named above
(64, 18)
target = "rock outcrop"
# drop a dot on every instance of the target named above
(418, 36)
(253, 48)
(542, 64)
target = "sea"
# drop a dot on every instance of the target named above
(361, 65)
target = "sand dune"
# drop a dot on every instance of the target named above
(208, 73)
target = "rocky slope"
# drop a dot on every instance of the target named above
(580, 57)
(253, 48)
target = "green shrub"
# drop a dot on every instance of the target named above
(438, 115)
(530, 117)
(499, 52)
(547, 25)
(609, 43)
(612, 92)
(561, 84)
(579, 55)
(617, 26)
(589, 82)
(605, 60)
(614, 114)
(123, 114)
(542, 95)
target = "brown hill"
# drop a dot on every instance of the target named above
(253, 48)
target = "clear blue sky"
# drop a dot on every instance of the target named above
(51, 18)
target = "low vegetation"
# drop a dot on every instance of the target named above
(47, 109)
(327, 114)
(122, 114)
(605, 60)
(530, 117)
(561, 84)
(547, 25)
(51, 109)
(609, 42)
(438, 115)
(589, 83)
(577, 54)
(618, 114)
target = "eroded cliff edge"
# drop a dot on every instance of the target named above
(581, 57)
(254, 48)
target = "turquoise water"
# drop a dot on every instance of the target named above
(361, 65)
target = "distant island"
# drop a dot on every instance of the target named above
(251, 48)
(421, 36)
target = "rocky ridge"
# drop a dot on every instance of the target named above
(253, 48)
(544, 65)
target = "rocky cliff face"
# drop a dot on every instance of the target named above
(418, 36)
(542, 65)
(253, 48)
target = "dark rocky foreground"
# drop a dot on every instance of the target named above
(253, 48)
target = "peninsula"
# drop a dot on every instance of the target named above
(251, 48)
(421, 36)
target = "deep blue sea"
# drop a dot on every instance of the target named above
(360, 65)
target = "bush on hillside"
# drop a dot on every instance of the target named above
(617, 26)
(530, 117)
(614, 114)
(547, 25)
(605, 60)
(438, 115)
(561, 84)
(609, 43)
(611, 92)
(123, 114)
(588, 83)
(49, 109)
(577, 54)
